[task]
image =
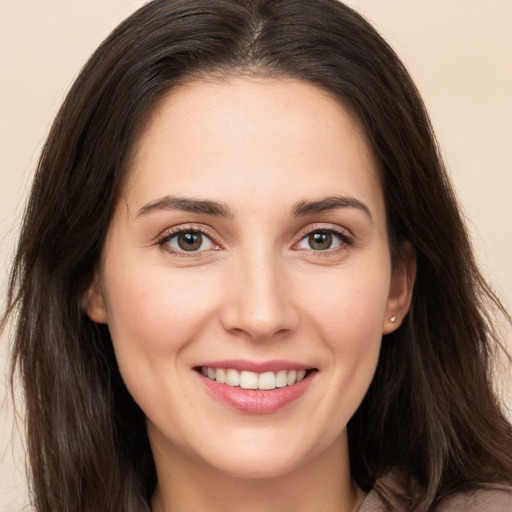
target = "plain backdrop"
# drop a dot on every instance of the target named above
(458, 51)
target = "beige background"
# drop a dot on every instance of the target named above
(458, 51)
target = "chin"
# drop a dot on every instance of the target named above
(258, 467)
(257, 457)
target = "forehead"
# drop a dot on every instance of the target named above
(238, 138)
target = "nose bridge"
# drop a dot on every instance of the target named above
(260, 305)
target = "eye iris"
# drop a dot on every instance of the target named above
(190, 241)
(320, 241)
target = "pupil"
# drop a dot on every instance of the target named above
(190, 241)
(320, 241)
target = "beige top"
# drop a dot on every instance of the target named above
(389, 496)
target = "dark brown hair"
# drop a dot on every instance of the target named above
(430, 409)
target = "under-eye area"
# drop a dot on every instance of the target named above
(252, 380)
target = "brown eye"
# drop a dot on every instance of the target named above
(320, 240)
(188, 241)
(324, 240)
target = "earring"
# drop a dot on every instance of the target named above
(392, 319)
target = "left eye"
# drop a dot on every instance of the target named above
(321, 240)
(189, 241)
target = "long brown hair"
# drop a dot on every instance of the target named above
(430, 409)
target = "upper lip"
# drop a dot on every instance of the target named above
(273, 365)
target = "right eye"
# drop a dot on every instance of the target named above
(188, 240)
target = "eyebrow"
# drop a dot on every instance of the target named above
(208, 207)
(325, 204)
(187, 205)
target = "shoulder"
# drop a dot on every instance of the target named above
(488, 497)
(393, 493)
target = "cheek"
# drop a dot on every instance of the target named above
(348, 314)
(349, 307)
(156, 310)
(153, 318)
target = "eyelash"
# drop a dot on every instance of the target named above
(183, 253)
(343, 237)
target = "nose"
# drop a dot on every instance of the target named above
(259, 303)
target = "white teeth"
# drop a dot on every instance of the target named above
(248, 380)
(291, 377)
(252, 380)
(267, 380)
(281, 379)
(232, 378)
(220, 375)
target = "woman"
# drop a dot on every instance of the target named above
(243, 281)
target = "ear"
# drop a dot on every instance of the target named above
(93, 302)
(400, 289)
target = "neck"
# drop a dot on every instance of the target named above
(323, 483)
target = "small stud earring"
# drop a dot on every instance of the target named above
(392, 319)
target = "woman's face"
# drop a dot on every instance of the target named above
(249, 245)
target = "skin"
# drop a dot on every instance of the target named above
(257, 291)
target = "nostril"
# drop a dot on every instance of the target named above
(259, 310)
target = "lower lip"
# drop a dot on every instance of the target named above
(256, 401)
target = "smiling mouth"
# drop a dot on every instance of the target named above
(244, 379)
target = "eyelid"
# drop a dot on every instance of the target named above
(343, 234)
(170, 233)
